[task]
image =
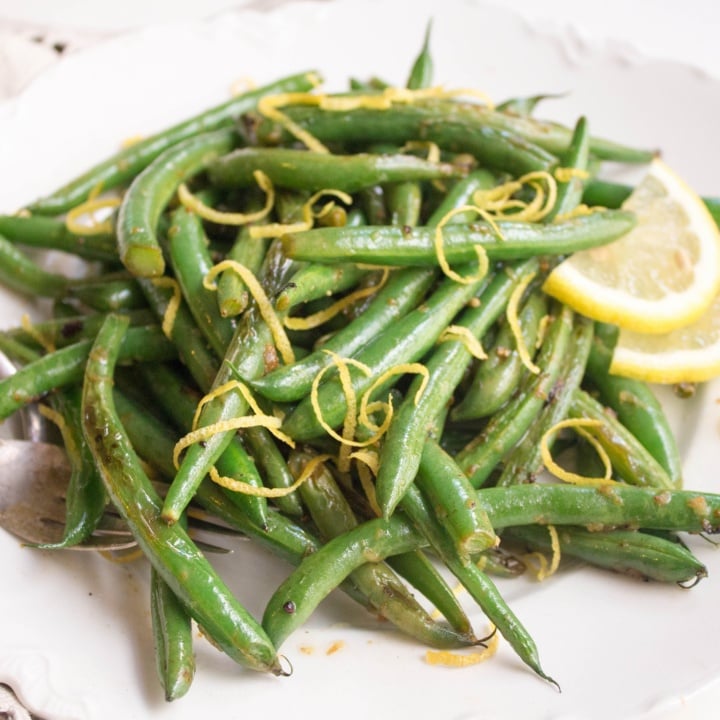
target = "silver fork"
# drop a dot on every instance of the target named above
(34, 477)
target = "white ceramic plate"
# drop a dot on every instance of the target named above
(75, 641)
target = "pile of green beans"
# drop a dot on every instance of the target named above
(145, 351)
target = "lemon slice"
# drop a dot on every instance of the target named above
(689, 354)
(661, 275)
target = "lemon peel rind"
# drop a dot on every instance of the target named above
(667, 368)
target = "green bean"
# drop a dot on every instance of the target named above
(107, 293)
(626, 551)
(574, 158)
(313, 171)
(191, 261)
(498, 377)
(602, 507)
(401, 293)
(481, 456)
(453, 498)
(407, 341)
(85, 498)
(127, 163)
(424, 576)
(247, 357)
(173, 633)
(150, 192)
(388, 596)
(416, 246)
(51, 234)
(404, 203)
(525, 461)
(475, 581)
(499, 140)
(168, 547)
(635, 405)
(629, 458)
(20, 273)
(442, 125)
(276, 472)
(179, 402)
(66, 366)
(523, 106)
(445, 367)
(421, 72)
(320, 573)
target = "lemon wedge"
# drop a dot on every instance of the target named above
(688, 354)
(660, 276)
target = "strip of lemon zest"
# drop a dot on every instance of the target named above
(465, 336)
(193, 203)
(433, 149)
(566, 174)
(88, 209)
(499, 201)
(367, 470)
(221, 390)
(448, 658)
(265, 307)
(171, 311)
(95, 191)
(272, 230)
(579, 425)
(268, 106)
(399, 369)
(323, 316)
(32, 330)
(537, 563)
(483, 262)
(206, 432)
(555, 546)
(260, 491)
(512, 314)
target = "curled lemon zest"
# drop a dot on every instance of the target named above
(538, 561)
(87, 210)
(323, 316)
(57, 419)
(482, 258)
(260, 491)
(221, 390)
(555, 546)
(204, 433)
(579, 425)
(448, 658)
(433, 149)
(171, 311)
(268, 106)
(272, 230)
(122, 558)
(400, 369)
(194, 204)
(265, 307)
(465, 336)
(32, 330)
(512, 314)
(500, 202)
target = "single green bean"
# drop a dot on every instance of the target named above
(51, 234)
(417, 246)
(169, 549)
(20, 273)
(151, 191)
(626, 551)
